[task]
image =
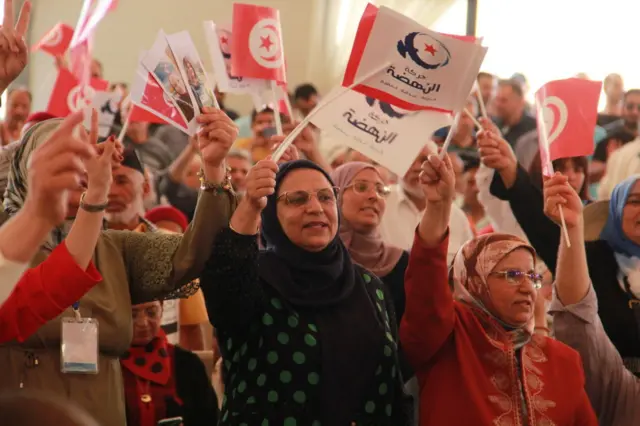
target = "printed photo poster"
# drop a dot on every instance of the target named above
(428, 70)
(388, 135)
(193, 72)
(148, 95)
(106, 105)
(218, 39)
(162, 64)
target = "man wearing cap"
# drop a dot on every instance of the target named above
(125, 211)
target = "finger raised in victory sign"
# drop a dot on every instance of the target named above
(13, 48)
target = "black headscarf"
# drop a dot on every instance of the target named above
(326, 285)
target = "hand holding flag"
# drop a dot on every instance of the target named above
(13, 49)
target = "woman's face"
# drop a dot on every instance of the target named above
(574, 174)
(147, 318)
(311, 225)
(631, 214)
(191, 73)
(363, 210)
(513, 303)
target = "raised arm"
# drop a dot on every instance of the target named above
(55, 167)
(230, 281)
(429, 313)
(161, 266)
(513, 184)
(613, 391)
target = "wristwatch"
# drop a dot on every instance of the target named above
(92, 208)
(216, 188)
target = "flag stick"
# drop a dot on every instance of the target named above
(544, 138)
(483, 108)
(447, 141)
(125, 126)
(276, 108)
(300, 127)
(477, 124)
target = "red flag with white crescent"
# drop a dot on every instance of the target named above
(69, 95)
(56, 41)
(257, 50)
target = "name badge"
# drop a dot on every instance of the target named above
(79, 345)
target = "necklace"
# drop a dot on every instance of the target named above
(143, 390)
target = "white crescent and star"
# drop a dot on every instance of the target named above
(265, 44)
(78, 98)
(555, 114)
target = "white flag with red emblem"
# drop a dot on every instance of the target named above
(427, 70)
(219, 41)
(257, 50)
(56, 41)
(69, 95)
(386, 134)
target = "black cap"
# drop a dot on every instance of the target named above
(131, 160)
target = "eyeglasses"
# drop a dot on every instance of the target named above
(300, 198)
(515, 277)
(631, 107)
(363, 187)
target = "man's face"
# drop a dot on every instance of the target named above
(96, 69)
(631, 111)
(126, 196)
(487, 86)
(263, 120)
(412, 177)
(239, 169)
(306, 105)
(18, 106)
(507, 102)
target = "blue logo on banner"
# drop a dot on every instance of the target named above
(424, 50)
(386, 108)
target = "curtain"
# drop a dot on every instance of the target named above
(338, 22)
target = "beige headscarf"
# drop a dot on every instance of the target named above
(471, 267)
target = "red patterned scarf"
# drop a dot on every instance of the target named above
(150, 362)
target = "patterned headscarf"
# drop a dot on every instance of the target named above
(17, 187)
(471, 267)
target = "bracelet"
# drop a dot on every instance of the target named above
(92, 208)
(541, 327)
(216, 188)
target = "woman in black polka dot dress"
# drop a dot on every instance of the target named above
(308, 338)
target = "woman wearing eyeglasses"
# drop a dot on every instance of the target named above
(362, 203)
(474, 350)
(308, 337)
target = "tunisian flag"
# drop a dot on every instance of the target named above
(150, 99)
(56, 41)
(69, 96)
(256, 50)
(567, 111)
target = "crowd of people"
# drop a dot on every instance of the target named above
(170, 280)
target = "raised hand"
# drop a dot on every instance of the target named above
(495, 152)
(290, 154)
(558, 192)
(215, 137)
(260, 182)
(56, 167)
(99, 167)
(13, 47)
(438, 179)
(305, 141)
